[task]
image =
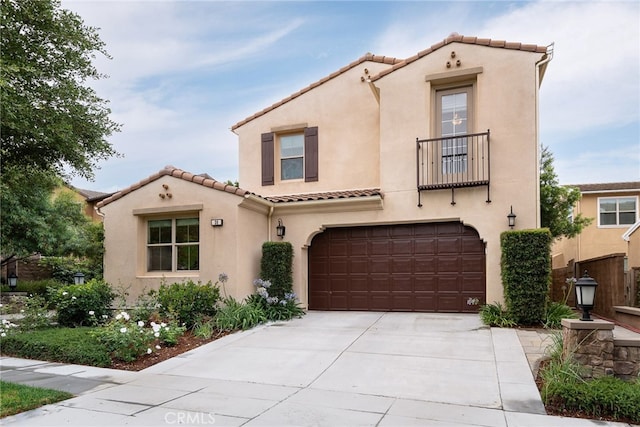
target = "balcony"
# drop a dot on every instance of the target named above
(453, 162)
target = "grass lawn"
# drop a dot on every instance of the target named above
(16, 398)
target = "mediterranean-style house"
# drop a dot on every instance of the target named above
(614, 210)
(391, 178)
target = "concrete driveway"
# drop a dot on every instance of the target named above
(325, 369)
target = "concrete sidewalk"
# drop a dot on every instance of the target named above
(333, 369)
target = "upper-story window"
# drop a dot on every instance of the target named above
(453, 122)
(173, 244)
(617, 211)
(290, 155)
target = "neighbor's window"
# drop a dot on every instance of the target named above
(453, 123)
(173, 244)
(614, 211)
(291, 156)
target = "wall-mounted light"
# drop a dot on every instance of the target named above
(13, 281)
(512, 218)
(280, 229)
(78, 278)
(216, 222)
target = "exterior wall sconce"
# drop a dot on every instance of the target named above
(216, 222)
(512, 218)
(586, 295)
(280, 229)
(13, 281)
(78, 278)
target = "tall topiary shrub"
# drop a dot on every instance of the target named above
(276, 267)
(526, 273)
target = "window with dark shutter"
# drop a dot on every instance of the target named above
(267, 159)
(311, 154)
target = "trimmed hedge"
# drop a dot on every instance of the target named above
(526, 273)
(276, 267)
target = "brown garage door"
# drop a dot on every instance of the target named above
(435, 267)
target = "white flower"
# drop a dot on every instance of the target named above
(118, 316)
(149, 351)
(152, 324)
(157, 334)
(65, 293)
(158, 347)
(21, 311)
(104, 316)
(3, 335)
(163, 324)
(74, 298)
(125, 315)
(91, 312)
(1, 305)
(123, 330)
(140, 323)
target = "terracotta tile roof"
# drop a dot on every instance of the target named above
(610, 186)
(202, 179)
(205, 180)
(457, 38)
(367, 57)
(347, 194)
(398, 63)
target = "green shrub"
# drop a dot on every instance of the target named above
(124, 338)
(187, 302)
(205, 327)
(35, 313)
(276, 267)
(238, 315)
(526, 273)
(35, 287)
(275, 308)
(81, 305)
(63, 268)
(555, 312)
(168, 333)
(496, 315)
(65, 345)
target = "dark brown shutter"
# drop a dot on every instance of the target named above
(311, 154)
(267, 159)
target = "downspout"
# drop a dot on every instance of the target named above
(269, 222)
(541, 66)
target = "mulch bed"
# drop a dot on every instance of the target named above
(186, 342)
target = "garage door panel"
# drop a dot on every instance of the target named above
(409, 267)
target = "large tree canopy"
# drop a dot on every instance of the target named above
(51, 120)
(557, 201)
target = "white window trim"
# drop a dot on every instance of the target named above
(278, 156)
(617, 212)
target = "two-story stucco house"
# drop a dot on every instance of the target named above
(392, 177)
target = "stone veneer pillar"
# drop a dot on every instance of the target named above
(590, 344)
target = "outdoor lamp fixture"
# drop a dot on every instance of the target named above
(78, 278)
(585, 295)
(280, 229)
(13, 281)
(512, 218)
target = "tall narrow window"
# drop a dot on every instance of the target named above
(173, 244)
(292, 156)
(453, 124)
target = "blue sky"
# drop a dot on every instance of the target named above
(183, 72)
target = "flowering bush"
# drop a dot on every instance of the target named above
(127, 339)
(187, 302)
(74, 302)
(275, 308)
(124, 338)
(35, 313)
(7, 328)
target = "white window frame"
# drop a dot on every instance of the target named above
(173, 244)
(617, 224)
(280, 157)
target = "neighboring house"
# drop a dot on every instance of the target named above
(87, 198)
(614, 209)
(632, 239)
(393, 178)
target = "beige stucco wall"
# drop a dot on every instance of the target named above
(364, 144)
(594, 241)
(633, 249)
(221, 248)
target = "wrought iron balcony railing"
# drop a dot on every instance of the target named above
(453, 162)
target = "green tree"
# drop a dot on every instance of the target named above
(51, 120)
(53, 125)
(557, 202)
